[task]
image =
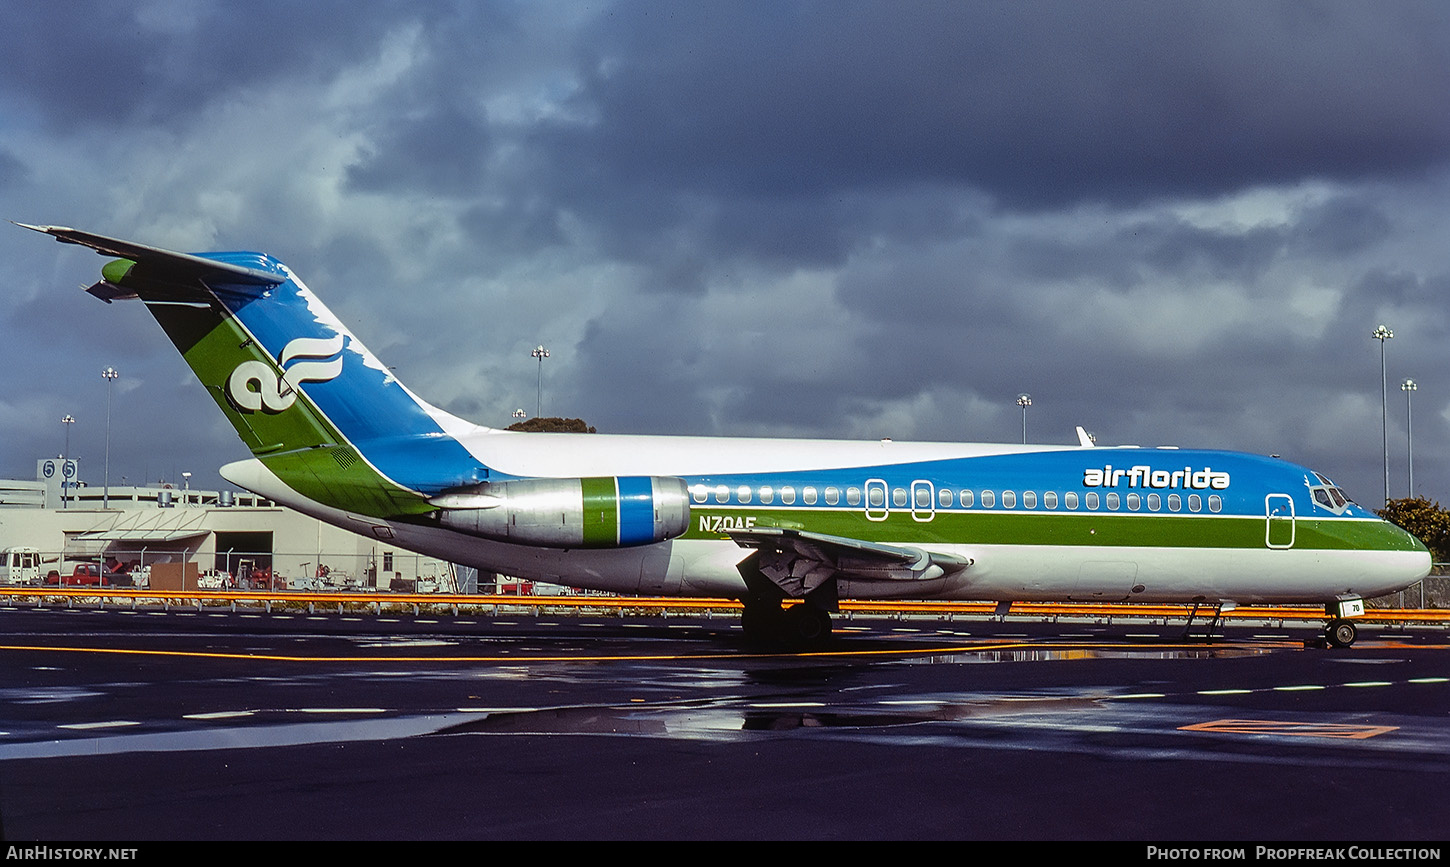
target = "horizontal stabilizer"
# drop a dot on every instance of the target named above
(176, 266)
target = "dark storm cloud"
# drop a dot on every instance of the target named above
(1039, 103)
(90, 65)
(440, 152)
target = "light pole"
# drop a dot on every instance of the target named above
(540, 353)
(1407, 387)
(109, 375)
(65, 463)
(186, 489)
(1382, 334)
(1024, 400)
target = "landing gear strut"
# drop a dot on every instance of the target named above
(806, 623)
(1218, 611)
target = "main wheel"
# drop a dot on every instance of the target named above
(761, 621)
(1341, 633)
(807, 625)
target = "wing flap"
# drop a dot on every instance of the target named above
(799, 561)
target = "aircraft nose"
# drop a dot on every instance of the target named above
(1402, 559)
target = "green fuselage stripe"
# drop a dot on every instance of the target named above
(601, 512)
(1052, 528)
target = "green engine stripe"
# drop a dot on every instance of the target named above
(601, 512)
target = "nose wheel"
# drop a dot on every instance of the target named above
(1340, 633)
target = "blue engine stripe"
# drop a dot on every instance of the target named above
(636, 510)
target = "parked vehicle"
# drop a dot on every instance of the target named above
(89, 575)
(216, 579)
(20, 565)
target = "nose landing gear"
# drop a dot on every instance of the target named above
(1340, 633)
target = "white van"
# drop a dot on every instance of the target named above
(20, 565)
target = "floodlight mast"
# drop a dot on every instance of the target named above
(1381, 333)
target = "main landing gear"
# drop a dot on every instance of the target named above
(801, 625)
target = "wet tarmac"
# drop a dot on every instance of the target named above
(153, 725)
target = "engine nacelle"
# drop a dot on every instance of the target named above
(608, 512)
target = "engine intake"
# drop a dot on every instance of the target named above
(607, 512)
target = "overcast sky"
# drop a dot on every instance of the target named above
(1170, 222)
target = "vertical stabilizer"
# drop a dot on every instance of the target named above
(305, 396)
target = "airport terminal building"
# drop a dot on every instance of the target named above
(213, 538)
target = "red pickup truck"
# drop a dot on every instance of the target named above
(87, 575)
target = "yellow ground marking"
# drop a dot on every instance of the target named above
(1293, 729)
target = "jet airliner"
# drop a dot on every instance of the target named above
(335, 435)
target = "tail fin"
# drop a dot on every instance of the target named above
(308, 399)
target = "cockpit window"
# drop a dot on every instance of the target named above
(1327, 495)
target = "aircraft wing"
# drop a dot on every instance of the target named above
(799, 561)
(178, 270)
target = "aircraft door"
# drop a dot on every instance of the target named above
(923, 500)
(1279, 521)
(878, 499)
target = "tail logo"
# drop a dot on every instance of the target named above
(254, 386)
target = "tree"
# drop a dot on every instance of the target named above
(1425, 521)
(552, 425)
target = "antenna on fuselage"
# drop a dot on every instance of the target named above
(1085, 439)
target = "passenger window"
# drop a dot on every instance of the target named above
(808, 493)
(722, 494)
(853, 496)
(787, 495)
(923, 497)
(767, 494)
(833, 495)
(1113, 501)
(1175, 503)
(989, 499)
(700, 493)
(1134, 501)
(1155, 502)
(1070, 499)
(1195, 503)
(967, 498)
(1049, 499)
(944, 497)
(875, 497)
(1215, 503)
(1029, 499)
(898, 497)
(1009, 500)
(743, 493)
(1092, 499)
